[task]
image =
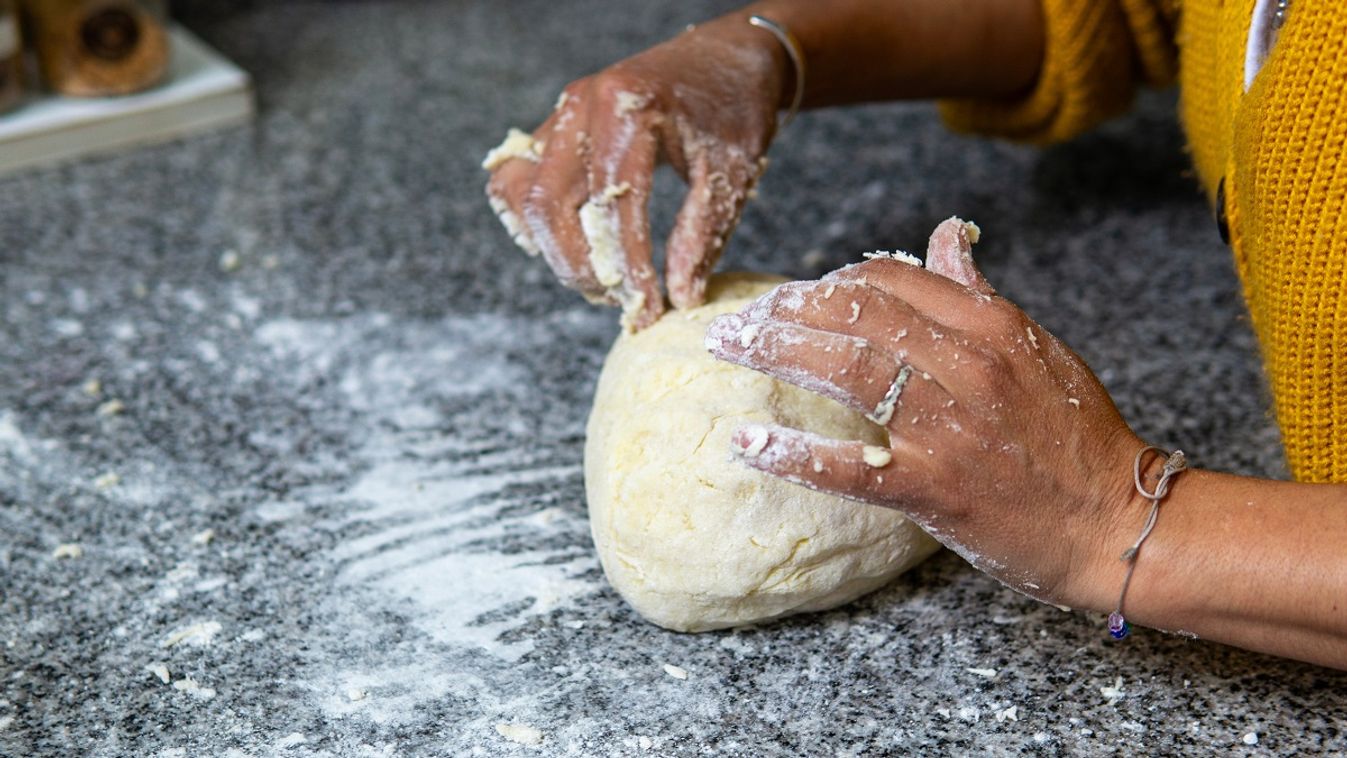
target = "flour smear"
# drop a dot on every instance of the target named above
(449, 506)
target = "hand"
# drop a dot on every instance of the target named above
(1003, 446)
(577, 190)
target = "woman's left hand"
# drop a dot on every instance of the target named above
(1004, 446)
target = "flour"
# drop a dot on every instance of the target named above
(428, 503)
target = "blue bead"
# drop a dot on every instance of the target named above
(1118, 627)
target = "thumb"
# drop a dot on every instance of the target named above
(950, 254)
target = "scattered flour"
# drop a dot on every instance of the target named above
(192, 687)
(201, 634)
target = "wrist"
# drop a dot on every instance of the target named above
(774, 70)
(1098, 569)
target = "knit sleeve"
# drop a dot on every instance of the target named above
(1096, 52)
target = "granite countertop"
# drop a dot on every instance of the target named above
(341, 510)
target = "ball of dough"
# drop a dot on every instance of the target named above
(695, 540)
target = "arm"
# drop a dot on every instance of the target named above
(1005, 447)
(1253, 563)
(867, 50)
(576, 190)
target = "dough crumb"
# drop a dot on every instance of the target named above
(111, 408)
(160, 671)
(1033, 340)
(973, 231)
(203, 537)
(517, 144)
(1114, 693)
(192, 687)
(613, 191)
(627, 102)
(196, 634)
(1008, 714)
(644, 742)
(818, 466)
(93, 388)
(876, 457)
(757, 442)
(522, 734)
(749, 334)
(1073, 401)
(829, 292)
(677, 672)
(356, 694)
(107, 481)
(68, 550)
(989, 673)
(230, 261)
(855, 312)
(1251, 738)
(897, 255)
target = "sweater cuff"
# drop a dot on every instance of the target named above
(1095, 54)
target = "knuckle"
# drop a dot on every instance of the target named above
(987, 367)
(859, 364)
(617, 85)
(1006, 320)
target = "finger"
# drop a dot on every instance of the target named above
(845, 468)
(551, 212)
(511, 177)
(719, 183)
(938, 297)
(858, 309)
(950, 254)
(884, 322)
(615, 218)
(846, 369)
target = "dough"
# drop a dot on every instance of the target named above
(691, 538)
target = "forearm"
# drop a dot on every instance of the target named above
(1253, 563)
(868, 50)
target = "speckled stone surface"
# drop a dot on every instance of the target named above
(380, 415)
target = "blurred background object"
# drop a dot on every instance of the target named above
(95, 48)
(118, 74)
(11, 56)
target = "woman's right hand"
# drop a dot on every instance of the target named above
(577, 190)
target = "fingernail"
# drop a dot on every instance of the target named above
(722, 336)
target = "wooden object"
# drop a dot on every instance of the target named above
(95, 48)
(11, 56)
(202, 90)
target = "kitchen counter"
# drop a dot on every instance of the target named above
(315, 428)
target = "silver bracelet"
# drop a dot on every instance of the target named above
(1175, 462)
(796, 54)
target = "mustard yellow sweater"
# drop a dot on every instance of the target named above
(1271, 158)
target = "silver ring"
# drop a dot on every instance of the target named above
(883, 413)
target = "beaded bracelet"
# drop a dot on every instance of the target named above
(1175, 462)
